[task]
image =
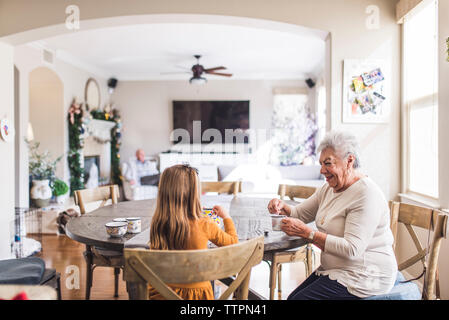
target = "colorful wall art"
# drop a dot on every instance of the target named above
(366, 96)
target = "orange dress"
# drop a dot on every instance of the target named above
(201, 231)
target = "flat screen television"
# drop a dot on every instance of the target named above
(219, 115)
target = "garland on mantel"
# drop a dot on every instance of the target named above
(77, 124)
(76, 145)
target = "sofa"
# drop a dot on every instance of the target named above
(265, 179)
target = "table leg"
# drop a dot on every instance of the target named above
(88, 257)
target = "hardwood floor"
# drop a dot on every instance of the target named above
(66, 256)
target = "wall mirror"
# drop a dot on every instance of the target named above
(92, 94)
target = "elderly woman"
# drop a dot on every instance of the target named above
(353, 222)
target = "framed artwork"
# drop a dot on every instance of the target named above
(366, 91)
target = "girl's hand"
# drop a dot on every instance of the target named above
(219, 211)
(277, 206)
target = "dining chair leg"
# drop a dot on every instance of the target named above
(116, 278)
(279, 271)
(58, 282)
(273, 275)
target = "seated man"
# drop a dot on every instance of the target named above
(142, 171)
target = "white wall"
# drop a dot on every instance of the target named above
(147, 111)
(7, 180)
(46, 102)
(27, 59)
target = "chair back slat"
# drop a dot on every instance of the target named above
(425, 218)
(85, 196)
(221, 187)
(188, 266)
(415, 215)
(292, 192)
(148, 276)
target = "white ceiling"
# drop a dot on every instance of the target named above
(144, 51)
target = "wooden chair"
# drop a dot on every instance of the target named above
(295, 191)
(429, 219)
(304, 253)
(82, 197)
(94, 256)
(159, 267)
(227, 187)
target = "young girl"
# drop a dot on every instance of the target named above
(177, 224)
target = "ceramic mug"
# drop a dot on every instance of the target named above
(276, 221)
(134, 225)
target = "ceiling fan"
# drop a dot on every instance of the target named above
(198, 71)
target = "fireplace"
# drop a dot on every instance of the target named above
(92, 171)
(97, 153)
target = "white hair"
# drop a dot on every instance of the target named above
(343, 143)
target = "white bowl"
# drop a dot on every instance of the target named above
(116, 229)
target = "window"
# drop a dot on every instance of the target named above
(421, 99)
(294, 130)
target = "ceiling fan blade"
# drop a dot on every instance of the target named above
(216, 68)
(182, 67)
(220, 74)
(176, 72)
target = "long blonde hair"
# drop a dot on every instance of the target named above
(178, 203)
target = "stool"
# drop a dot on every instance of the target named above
(29, 271)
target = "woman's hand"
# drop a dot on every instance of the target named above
(277, 206)
(295, 227)
(222, 213)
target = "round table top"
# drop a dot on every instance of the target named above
(90, 228)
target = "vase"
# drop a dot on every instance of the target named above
(62, 198)
(41, 193)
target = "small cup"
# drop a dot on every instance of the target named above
(116, 229)
(276, 221)
(134, 225)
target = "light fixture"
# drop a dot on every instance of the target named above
(112, 83)
(198, 80)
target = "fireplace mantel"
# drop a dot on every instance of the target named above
(100, 129)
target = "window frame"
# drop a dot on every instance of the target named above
(417, 103)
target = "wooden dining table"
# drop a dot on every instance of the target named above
(250, 216)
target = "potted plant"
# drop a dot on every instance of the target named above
(60, 191)
(42, 171)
